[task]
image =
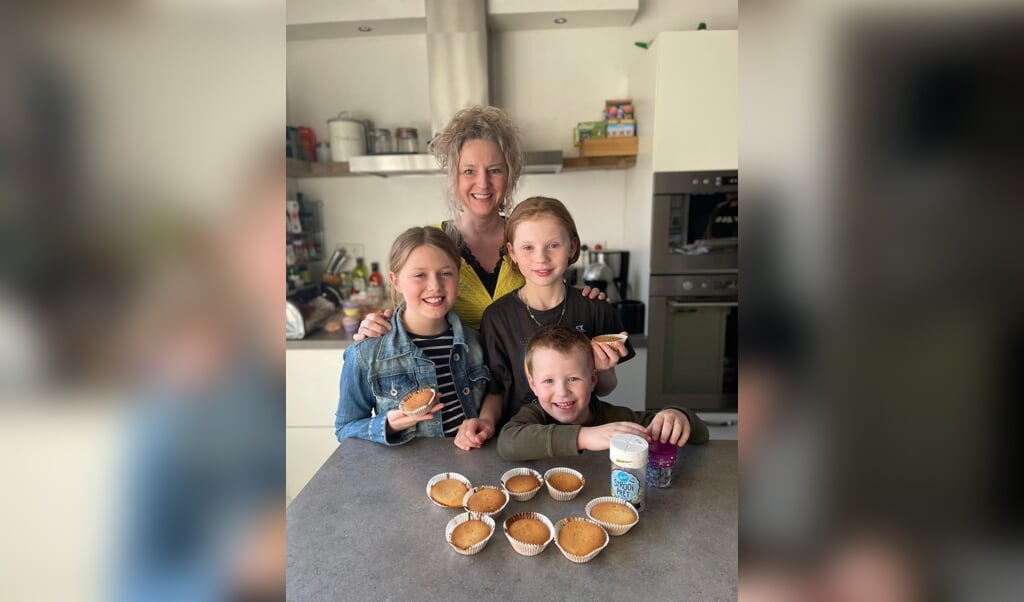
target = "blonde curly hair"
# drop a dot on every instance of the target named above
(478, 123)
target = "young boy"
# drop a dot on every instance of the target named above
(568, 417)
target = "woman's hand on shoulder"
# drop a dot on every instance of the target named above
(593, 293)
(374, 325)
(599, 438)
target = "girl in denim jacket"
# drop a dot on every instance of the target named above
(427, 346)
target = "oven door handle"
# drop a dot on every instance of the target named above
(679, 306)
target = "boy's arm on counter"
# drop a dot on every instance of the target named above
(529, 436)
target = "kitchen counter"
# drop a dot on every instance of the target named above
(340, 340)
(363, 528)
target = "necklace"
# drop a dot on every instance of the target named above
(522, 298)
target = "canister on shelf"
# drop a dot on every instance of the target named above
(323, 153)
(381, 142)
(406, 140)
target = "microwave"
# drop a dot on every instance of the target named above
(695, 222)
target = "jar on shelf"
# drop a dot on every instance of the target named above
(381, 142)
(406, 140)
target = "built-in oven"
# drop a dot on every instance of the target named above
(692, 357)
(695, 222)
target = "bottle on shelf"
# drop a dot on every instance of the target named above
(360, 276)
(375, 284)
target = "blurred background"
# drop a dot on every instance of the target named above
(141, 356)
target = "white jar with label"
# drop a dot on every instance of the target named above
(628, 454)
(348, 137)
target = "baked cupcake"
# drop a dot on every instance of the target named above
(616, 515)
(580, 539)
(611, 338)
(564, 483)
(418, 403)
(486, 500)
(468, 535)
(522, 483)
(448, 489)
(529, 532)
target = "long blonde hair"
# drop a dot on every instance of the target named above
(478, 123)
(412, 239)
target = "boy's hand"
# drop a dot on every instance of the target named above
(398, 421)
(607, 355)
(598, 438)
(670, 426)
(473, 432)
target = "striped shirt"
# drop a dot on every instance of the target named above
(439, 350)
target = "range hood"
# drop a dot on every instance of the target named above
(457, 75)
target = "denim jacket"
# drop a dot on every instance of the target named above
(379, 372)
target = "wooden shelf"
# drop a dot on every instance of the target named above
(582, 163)
(304, 169)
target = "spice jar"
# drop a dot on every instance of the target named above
(406, 140)
(628, 454)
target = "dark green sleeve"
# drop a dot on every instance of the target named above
(614, 413)
(530, 435)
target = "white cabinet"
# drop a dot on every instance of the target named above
(311, 401)
(685, 88)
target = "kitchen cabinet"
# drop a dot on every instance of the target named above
(686, 88)
(310, 403)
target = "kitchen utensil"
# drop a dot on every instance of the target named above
(599, 275)
(348, 137)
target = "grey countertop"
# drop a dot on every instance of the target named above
(364, 529)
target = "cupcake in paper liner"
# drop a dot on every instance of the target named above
(564, 483)
(517, 482)
(615, 515)
(485, 500)
(580, 539)
(467, 534)
(448, 489)
(529, 532)
(418, 403)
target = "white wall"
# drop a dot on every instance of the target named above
(548, 80)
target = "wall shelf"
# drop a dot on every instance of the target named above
(304, 169)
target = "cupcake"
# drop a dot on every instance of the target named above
(522, 483)
(528, 532)
(580, 539)
(564, 483)
(418, 403)
(616, 515)
(611, 338)
(468, 535)
(448, 489)
(486, 500)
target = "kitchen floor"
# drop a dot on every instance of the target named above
(721, 425)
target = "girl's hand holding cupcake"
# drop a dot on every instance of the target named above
(607, 355)
(399, 420)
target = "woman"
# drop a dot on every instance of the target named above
(481, 154)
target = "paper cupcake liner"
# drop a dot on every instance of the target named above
(420, 411)
(564, 496)
(573, 557)
(442, 476)
(515, 472)
(458, 520)
(618, 338)
(528, 549)
(472, 490)
(613, 528)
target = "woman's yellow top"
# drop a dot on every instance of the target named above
(473, 298)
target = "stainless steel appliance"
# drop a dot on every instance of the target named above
(692, 358)
(696, 221)
(694, 291)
